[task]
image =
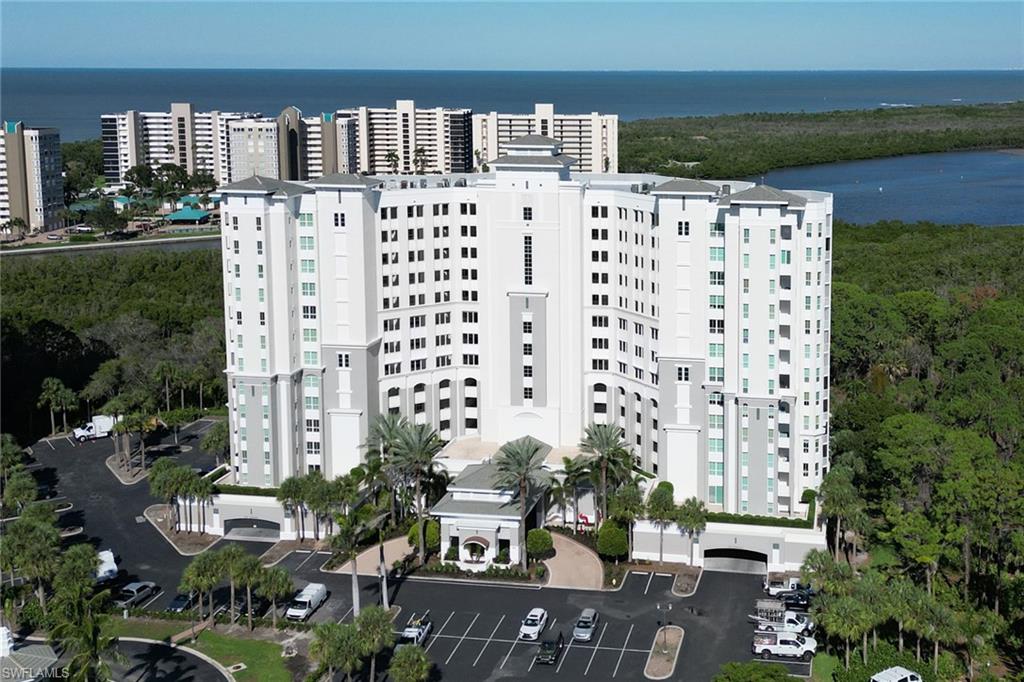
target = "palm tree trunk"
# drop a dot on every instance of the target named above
(64, 417)
(604, 490)
(864, 648)
(935, 657)
(182, 397)
(232, 582)
(167, 394)
(53, 423)
(692, 546)
(899, 626)
(837, 540)
(41, 594)
(919, 648)
(273, 613)
(419, 521)
(575, 510)
(847, 654)
(373, 668)
(200, 396)
(355, 585)
(383, 572)
(248, 603)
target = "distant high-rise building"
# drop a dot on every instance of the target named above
(196, 141)
(592, 139)
(31, 177)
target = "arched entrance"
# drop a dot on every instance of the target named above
(736, 560)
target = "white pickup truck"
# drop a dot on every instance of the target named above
(416, 631)
(773, 587)
(786, 644)
(100, 427)
(771, 615)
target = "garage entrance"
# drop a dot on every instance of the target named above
(260, 530)
(734, 560)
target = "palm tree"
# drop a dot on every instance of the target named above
(519, 466)
(661, 510)
(414, 453)
(35, 546)
(351, 529)
(20, 490)
(558, 495)
(202, 575)
(230, 559)
(316, 492)
(693, 519)
(839, 499)
(248, 571)
(85, 640)
(627, 505)
(872, 590)
(604, 443)
(844, 617)
(577, 472)
(166, 372)
(377, 634)
(275, 585)
(825, 574)
(324, 647)
(50, 397)
(902, 594)
(381, 442)
(291, 494)
(391, 158)
(419, 159)
(202, 493)
(410, 664)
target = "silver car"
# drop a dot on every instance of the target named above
(585, 626)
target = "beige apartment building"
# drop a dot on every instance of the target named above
(31, 181)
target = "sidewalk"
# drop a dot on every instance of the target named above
(574, 565)
(369, 559)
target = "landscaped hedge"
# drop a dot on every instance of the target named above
(753, 520)
(490, 573)
(228, 489)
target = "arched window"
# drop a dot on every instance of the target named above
(600, 388)
(393, 400)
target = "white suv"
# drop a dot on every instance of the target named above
(533, 624)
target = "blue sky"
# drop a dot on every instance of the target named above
(724, 35)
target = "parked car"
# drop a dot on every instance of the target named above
(896, 674)
(107, 569)
(307, 601)
(259, 606)
(797, 600)
(789, 645)
(533, 624)
(133, 594)
(585, 625)
(416, 630)
(550, 650)
(182, 602)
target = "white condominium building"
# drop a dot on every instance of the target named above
(197, 141)
(410, 140)
(534, 301)
(592, 139)
(31, 176)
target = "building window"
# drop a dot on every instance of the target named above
(309, 312)
(527, 259)
(683, 228)
(527, 213)
(344, 360)
(528, 393)
(682, 373)
(339, 220)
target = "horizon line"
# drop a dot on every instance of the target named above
(1010, 69)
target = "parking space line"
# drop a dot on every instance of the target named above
(664, 575)
(565, 655)
(461, 639)
(621, 653)
(434, 639)
(351, 608)
(51, 446)
(487, 643)
(152, 599)
(552, 625)
(533, 662)
(68, 438)
(514, 642)
(649, 579)
(299, 567)
(596, 647)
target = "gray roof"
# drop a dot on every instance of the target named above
(533, 141)
(763, 194)
(26, 662)
(685, 186)
(265, 185)
(448, 506)
(344, 180)
(557, 161)
(481, 477)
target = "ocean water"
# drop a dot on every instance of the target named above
(984, 188)
(73, 99)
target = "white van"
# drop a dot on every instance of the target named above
(100, 427)
(768, 644)
(896, 674)
(307, 601)
(107, 568)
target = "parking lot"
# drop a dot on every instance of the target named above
(475, 635)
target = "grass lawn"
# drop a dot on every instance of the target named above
(823, 666)
(262, 660)
(147, 629)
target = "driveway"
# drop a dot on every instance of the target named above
(574, 565)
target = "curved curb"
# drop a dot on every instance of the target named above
(692, 592)
(675, 661)
(198, 654)
(117, 475)
(170, 542)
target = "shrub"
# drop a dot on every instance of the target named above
(886, 657)
(612, 541)
(82, 238)
(540, 571)
(433, 535)
(503, 557)
(227, 489)
(452, 554)
(539, 544)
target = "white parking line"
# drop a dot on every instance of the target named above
(487, 643)
(514, 642)
(664, 575)
(51, 445)
(596, 647)
(434, 638)
(649, 579)
(311, 555)
(350, 610)
(565, 655)
(621, 653)
(68, 438)
(152, 599)
(461, 639)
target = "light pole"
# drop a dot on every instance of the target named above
(667, 608)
